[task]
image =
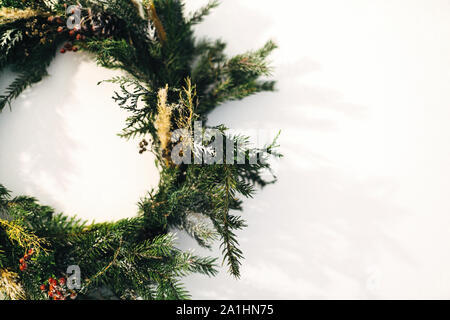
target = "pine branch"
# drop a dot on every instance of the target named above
(221, 80)
(231, 252)
(135, 98)
(200, 14)
(201, 232)
(20, 84)
(2, 258)
(24, 238)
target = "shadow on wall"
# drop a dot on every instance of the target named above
(318, 232)
(39, 109)
(68, 154)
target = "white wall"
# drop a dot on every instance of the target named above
(60, 144)
(361, 208)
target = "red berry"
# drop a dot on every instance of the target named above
(43, 287)
(62, 281)
(78, 37)
(21, 260)
(23, 267)
(71, 33)
(50, 19)
(52, 281)
(30, 252)
(50, 294)
(26, 257)
(62, 50)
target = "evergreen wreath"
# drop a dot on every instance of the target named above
(172, 80)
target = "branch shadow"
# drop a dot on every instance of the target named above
(319, 231)
(60, 145)
(29, 153)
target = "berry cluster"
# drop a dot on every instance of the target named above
(142, 145)
(57, 289)
(23, 264)
(68, 47)
(38, 28)
(73, 34)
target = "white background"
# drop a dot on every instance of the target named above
(60, 144)
(361, 209)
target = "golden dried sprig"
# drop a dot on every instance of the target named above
(13, 14)
(9, 285)
(24, 238)
(183, 118)
(185, 115)
(187, 96)
(163, 120)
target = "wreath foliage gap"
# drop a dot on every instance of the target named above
(172, 80)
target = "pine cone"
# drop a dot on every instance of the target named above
(100, 24)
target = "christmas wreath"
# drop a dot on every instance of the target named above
(172, 81)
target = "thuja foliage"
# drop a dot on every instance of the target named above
(172, 79)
